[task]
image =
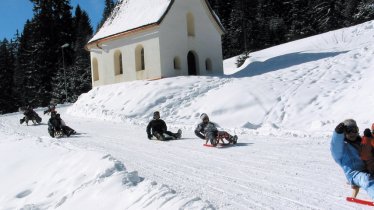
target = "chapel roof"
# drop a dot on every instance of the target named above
(133, 15)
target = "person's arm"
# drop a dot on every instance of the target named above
(148, 130)
(337, 146)
(198, 132)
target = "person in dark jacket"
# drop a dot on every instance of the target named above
(158, 129)
(57, 127)
(29, 114)
(208, 131)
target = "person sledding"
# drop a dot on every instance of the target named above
(57, 127)
(208, 131)
(29, 114)
(345, 150)
(157, 128)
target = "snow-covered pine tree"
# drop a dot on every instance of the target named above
(298, 20)
(365, 11)
(108, 8)
(28, 81)
(327, 15)
(52, 28)
(78, 73)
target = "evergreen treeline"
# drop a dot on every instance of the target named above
(252, 25)
(50, 49)
(35, 64)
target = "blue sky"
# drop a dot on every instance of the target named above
(14, 14)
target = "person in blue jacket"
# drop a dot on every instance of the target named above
(345, 149)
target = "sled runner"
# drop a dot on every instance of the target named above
(221, 136)
(356, 200)
(219, 145)
(359, 201)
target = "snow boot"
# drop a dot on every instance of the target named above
(179, 134)
(233, 139)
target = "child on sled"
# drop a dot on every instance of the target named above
(207, 130)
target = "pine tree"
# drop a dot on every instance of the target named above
(365, 11)
(327, 15)
(52, 28)
(6, 78)
(298, 20)
(28, 82)
(108, 8)
(78, 74)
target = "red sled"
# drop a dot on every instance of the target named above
(353, 198)
(359, 201)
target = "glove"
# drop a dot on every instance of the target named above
(340, 128)
(367, 133)
(149, 136)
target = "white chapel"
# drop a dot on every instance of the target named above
(153, 39)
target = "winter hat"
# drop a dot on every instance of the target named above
(156, 114)
(350, 123)
(203, 116)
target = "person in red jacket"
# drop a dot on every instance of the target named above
(366, 152)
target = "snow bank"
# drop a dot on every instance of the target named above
(44, 174)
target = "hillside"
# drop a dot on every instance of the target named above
(303, 87)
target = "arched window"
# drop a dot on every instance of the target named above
(95, 69)
(118, 66)
(177, 63)
(190, 24)
(139, 58)
(208, 64)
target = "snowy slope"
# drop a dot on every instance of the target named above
(300, 88)
(283, 104)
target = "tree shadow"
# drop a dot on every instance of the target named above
(281, 62)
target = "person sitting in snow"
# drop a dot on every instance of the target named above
(57, 127)
(367, 145)
(345, 146)
(158, 129)
(29, 114)
(208, 131)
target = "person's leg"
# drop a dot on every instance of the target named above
(158, 135)
(169, 133)
(365, 181)
(212, 138)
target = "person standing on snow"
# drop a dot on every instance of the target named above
(158, 128)
(208, 131)
(345, 149)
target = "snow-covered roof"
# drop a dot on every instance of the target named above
(134, 14)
